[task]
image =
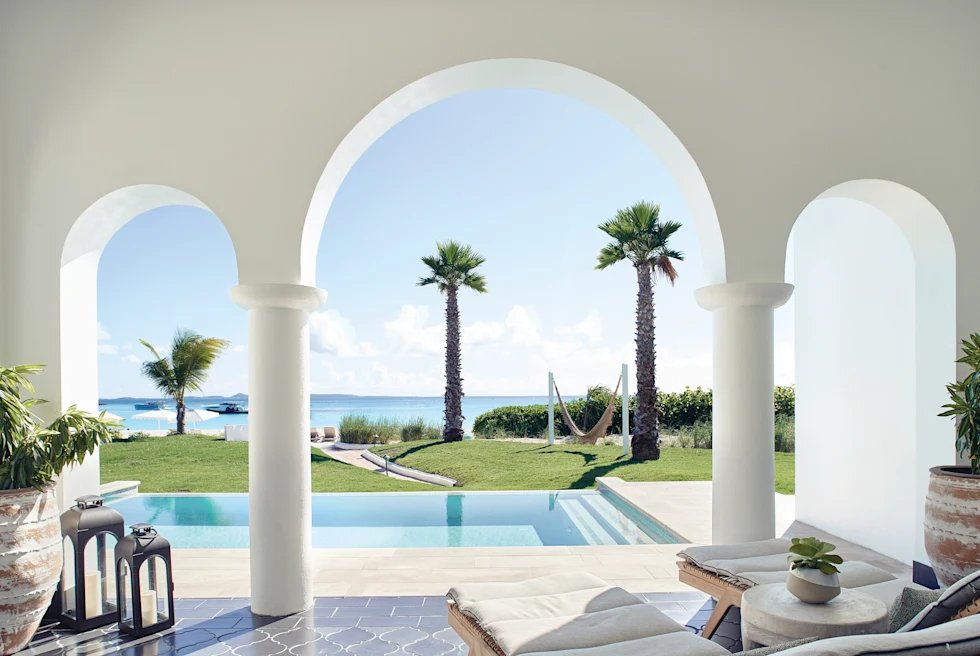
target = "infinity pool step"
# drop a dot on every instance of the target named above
(587, 525)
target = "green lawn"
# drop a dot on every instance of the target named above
(201, 463)
(498, 465)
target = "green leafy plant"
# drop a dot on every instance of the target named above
(811, 553)
(964, 405)
(30, 454)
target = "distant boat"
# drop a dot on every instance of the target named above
(228, 408)
(152, 405)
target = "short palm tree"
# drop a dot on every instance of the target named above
(185, 368)
(452, 268)
(642, 238)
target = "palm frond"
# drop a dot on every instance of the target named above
(642, 238)
(454, 266)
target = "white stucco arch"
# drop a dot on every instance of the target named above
(523, 73)
(875, 276)
(78, 328)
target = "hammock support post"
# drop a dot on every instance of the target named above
(551, 408)
(626, 410)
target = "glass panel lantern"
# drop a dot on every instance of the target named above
(87, 591)
(145, 582)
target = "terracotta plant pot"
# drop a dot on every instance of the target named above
(812, 585)
(30, 562)
(952, 523)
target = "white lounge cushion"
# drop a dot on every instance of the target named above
(774, 569)
(678, 643)
(555, 605)
(469, 593)
(580, 632)
(957, 638)
(699, 555)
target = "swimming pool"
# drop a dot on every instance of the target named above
(410, 519)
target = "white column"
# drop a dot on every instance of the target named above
(626, 409)
(743, 479)
(551, 408)
(279, 501)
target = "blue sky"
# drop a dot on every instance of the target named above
(523, 176)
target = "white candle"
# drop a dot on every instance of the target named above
(93, 594)
(148, 607)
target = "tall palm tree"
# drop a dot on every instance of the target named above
(452, 268)
(642, 238)
(185, 368)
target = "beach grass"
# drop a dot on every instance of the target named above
(205, 463)
(499, 465)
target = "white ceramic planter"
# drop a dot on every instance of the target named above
(812, 585)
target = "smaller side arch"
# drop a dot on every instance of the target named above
(78, 317)
(876, 344)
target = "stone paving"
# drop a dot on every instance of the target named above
(366, 626)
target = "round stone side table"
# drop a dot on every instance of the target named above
(772, 616)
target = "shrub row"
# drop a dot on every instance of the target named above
(678, 409)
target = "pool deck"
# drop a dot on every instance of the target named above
(684, 507)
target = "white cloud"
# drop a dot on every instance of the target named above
(483, 332)
(409, 334)
(129, 357)
(590, 328)
(412, 382)
(108, 349)
(103, 333)
(240, 348)
(523, 326)
(334, 334)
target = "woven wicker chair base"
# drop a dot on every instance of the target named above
(727, 593)
(479, 641)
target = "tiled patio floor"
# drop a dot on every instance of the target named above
(367, 626)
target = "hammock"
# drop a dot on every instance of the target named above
(597, 431)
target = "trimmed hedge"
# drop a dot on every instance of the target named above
(678, 409)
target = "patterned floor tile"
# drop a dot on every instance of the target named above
(364, 626)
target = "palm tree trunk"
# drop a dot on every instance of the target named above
(453, 431)
(646, 433)
(181, 424)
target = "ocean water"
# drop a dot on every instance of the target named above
(327, 410)
(413, 519)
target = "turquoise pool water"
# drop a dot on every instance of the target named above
(420, 519)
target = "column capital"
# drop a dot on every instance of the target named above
(278, 295)
(743, 294)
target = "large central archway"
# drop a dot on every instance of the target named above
(531, 74)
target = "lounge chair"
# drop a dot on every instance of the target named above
(726, 571)
(577, 614)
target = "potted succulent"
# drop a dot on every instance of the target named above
(952, 516)
(813, 571)
(31, 457)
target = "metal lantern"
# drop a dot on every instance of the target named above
(145, 582)
(86, 595)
